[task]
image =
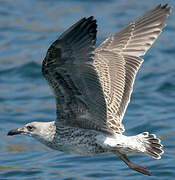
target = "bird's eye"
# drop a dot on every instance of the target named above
(30, 128)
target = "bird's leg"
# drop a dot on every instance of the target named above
(133, 166)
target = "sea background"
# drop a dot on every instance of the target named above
(27, 29)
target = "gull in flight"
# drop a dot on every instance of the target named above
(92, 87)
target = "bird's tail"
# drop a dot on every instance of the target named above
(152, 144)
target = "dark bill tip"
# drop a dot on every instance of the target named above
(14, 132)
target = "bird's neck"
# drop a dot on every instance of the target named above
(47, 132)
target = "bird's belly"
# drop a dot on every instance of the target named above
(74, 147)
(83, 143)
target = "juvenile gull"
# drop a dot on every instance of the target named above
(92, 88)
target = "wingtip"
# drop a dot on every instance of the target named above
(166, 7)
(91, 17)
(92, 25)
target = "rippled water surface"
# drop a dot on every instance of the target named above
(27, 28)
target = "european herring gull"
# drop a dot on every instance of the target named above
(92, 88)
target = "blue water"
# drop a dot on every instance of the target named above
(27, 28)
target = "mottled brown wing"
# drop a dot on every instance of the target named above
(68, 68)
(117, 61)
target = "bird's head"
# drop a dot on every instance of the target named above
(33, 129)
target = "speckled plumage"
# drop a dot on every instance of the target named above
(92, 88)
(89, 142)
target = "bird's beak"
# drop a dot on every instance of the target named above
(15, 131)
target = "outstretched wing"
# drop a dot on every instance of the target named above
(117, 61)
(68, 68)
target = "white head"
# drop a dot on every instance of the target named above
(34, 129)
